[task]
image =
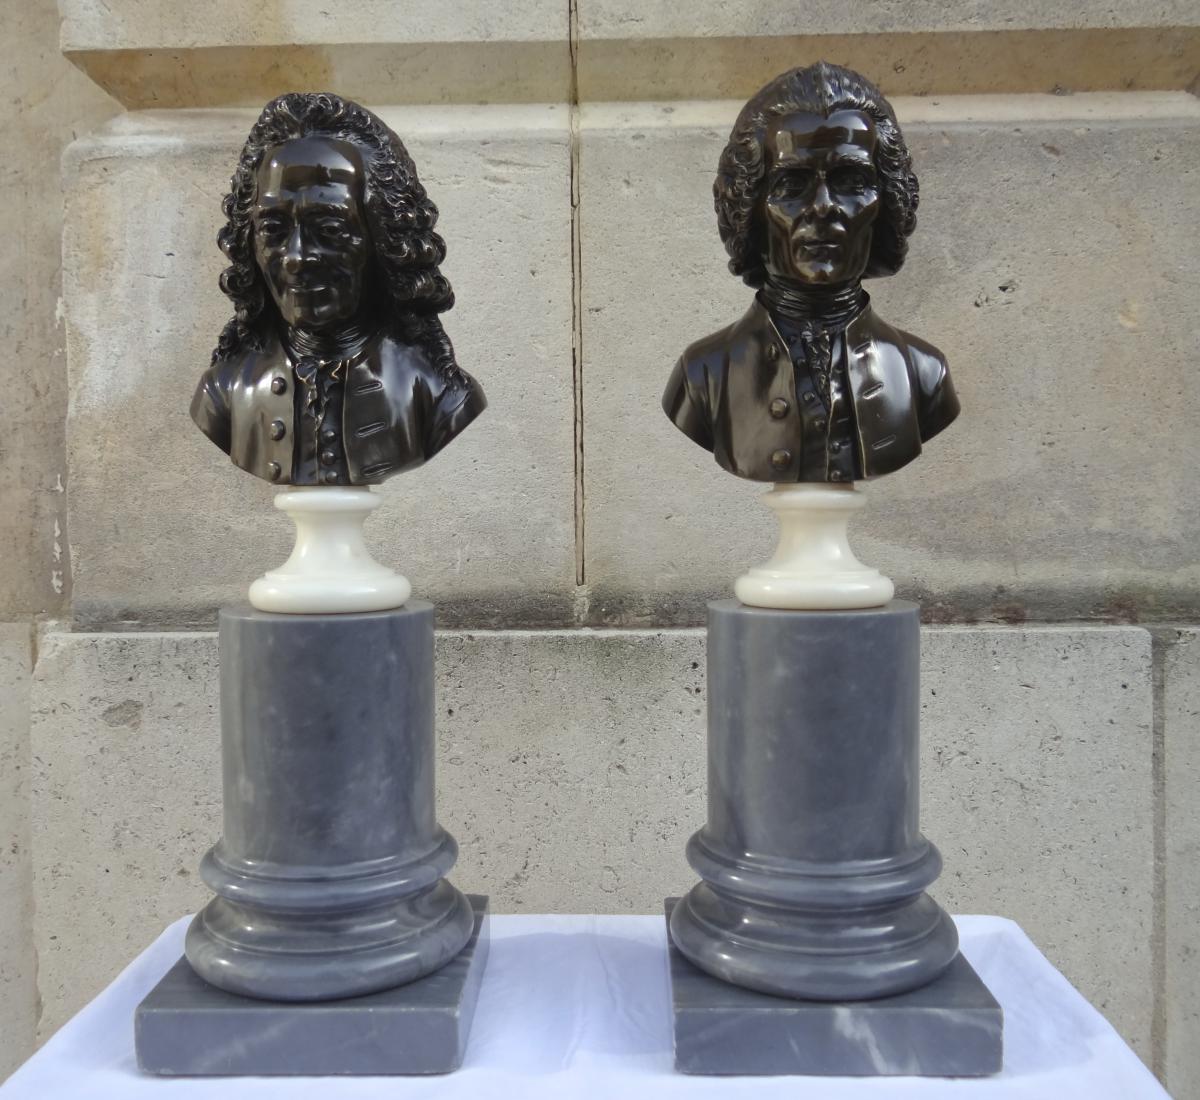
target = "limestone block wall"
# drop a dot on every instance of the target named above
(48, 103)
(571, 538)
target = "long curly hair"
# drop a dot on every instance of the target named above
(819, 89)
(399, 213)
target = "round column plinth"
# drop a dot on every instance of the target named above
(329, 873)
(813, 867)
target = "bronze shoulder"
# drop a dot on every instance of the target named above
(211, 406)
(711, 353)
(688, 399)
(451, 398)
(937, 402)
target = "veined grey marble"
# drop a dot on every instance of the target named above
(813, 865)
(186, 1027)
(950, 1027)
(329, 871)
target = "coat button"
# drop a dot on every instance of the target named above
(273, 471)
(781, 459)
(279, 384)
(329, 435)
(278, 430)
(819, 424)
(836, 447)
(772, 352)
(835, 475)
(328, 458)
(330, 477)
(809, 397)
(779, 408)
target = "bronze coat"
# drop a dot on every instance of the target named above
(721, 390)
(398, 410)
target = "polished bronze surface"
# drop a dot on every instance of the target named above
(335, 368)
(814, 192)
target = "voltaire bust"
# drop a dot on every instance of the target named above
(814, 193)
(334, 372)
(335, 369)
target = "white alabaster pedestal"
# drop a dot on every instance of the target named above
(330, 570)
(814, 568)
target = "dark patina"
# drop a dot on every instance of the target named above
(335, 369)
(814, 193)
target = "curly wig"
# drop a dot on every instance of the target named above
(819, 89)
(400, 216)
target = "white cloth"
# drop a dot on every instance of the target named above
(578, 1008)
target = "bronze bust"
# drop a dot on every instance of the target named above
(814, 192)
(335, 368)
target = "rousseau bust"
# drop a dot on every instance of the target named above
(814, 193)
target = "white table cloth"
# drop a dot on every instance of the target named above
(579, 1007)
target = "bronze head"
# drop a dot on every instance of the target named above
(327, 220)
(816, 181)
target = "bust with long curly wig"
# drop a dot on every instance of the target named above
(335, 367)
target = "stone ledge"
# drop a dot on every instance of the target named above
(962, 62)
(959, 63)
(370, 72)
(150, 24)
(226, 53)
(154, 24)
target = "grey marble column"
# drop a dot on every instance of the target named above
(329, 872)
(814, 869)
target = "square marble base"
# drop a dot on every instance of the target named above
(188, 1028)
(950, 1028)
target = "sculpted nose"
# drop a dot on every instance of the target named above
(822, 200)
(293, 252)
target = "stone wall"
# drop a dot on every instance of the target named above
(572, 537)
(48, 103)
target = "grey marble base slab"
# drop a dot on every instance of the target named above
(952, 1027)
(188, 1028)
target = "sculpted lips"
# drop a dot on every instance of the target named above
(820, 244)
(305, 284)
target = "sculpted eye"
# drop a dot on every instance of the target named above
(332, 227)
(790, 185)
(270, 228)
(851, 179)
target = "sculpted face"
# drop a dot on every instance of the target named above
(311, 240)
(821, 196)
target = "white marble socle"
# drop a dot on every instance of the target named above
(813, 568)
(330, 570)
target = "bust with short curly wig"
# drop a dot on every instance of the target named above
(820, 89)
(411, 290)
